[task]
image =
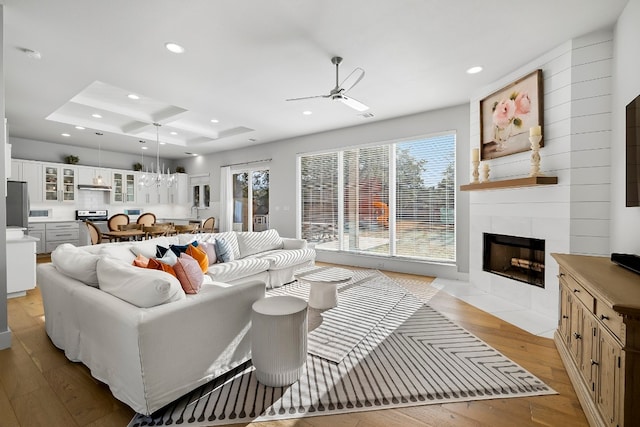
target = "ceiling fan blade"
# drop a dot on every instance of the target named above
(307, 97)
(352, 79)
(353, 103)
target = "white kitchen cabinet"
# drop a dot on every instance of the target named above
(59, 182)
(124, 187)
(31, 173)
(21, 266)
(89, 175)
(57, 233)
(38, 231)
(179, 193)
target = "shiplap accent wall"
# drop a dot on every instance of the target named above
(572, 216)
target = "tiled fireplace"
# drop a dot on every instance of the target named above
(514, 257)
(571, 216)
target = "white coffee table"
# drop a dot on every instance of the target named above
(279, 339)
(323, 289)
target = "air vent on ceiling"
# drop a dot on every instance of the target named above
(366, 115)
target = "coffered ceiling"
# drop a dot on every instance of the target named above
(244, 58)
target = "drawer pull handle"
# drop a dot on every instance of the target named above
(594, 363)
(577, 336)
(561, 275)
(604, 317)
(575, 291)
(564, 316)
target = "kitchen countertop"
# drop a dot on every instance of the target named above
(35, 220)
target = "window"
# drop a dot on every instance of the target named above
(394, 199)
(250, 186)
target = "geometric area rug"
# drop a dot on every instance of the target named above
(413, 356)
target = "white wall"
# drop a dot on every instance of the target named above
(283, 177)
(625, 222)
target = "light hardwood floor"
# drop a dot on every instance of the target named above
(40, 387)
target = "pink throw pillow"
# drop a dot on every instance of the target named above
(189, 274)
(210, 250)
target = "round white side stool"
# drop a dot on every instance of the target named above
(279, 339)
(323, 286)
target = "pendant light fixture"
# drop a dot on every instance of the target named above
(97, 180)
(159, 178)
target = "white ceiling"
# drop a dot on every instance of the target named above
(243, 58)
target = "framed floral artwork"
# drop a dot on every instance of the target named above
(507, 115)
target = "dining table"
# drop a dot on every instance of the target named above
(123, 235)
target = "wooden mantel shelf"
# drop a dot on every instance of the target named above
(511, 183)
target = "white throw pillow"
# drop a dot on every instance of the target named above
(76, 263)
(141, 287)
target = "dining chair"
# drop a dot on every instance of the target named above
(208, 225)
(116, 220)
(146, 218)
(186, 229)
(94, 233)
(156, 230)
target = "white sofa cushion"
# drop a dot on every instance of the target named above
(141, 287)
(120, 252)
(251, 243)
(76, 263)
(227, 271)
(148, 247)
(286, 258)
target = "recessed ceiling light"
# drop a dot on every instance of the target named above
(190, 154)
(96, 115)
(65, 134)
(31, 54)
(174, 47)
(215, 121)
(474, 70)
(80, 128)
(162, 143)
(133, 96)
(307, 113)
(144, 147)
(173, 133)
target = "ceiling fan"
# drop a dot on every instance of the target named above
(338, 92)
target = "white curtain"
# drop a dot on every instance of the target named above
(226, 200)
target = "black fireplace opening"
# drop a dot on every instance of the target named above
(518, 258)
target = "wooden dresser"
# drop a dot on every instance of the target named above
(598, 337)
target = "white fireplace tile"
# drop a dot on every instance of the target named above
(456, 288)
(511, 290)
(512, 226)
(530, 321)
(545, 228)
(490, 303)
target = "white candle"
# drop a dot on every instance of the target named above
(535, 131)
(475, 155)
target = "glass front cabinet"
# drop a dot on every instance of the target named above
(60, 183)
(124, 187)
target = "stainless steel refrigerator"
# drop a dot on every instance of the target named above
(17, 204)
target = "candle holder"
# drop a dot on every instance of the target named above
(476, 174)
(485, 172)
(535, 155)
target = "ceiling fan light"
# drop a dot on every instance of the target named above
(356, 105)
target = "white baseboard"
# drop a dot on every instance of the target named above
(5, 339)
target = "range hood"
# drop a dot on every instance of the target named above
(94, 187)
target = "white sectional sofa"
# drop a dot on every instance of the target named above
(136, 329)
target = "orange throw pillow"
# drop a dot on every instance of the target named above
(200, 256)
(157, 265)
(141, 261)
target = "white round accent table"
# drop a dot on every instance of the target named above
(279, 339)
(323, 290)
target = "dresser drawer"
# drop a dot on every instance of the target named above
(611, 319)
(578, 291)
